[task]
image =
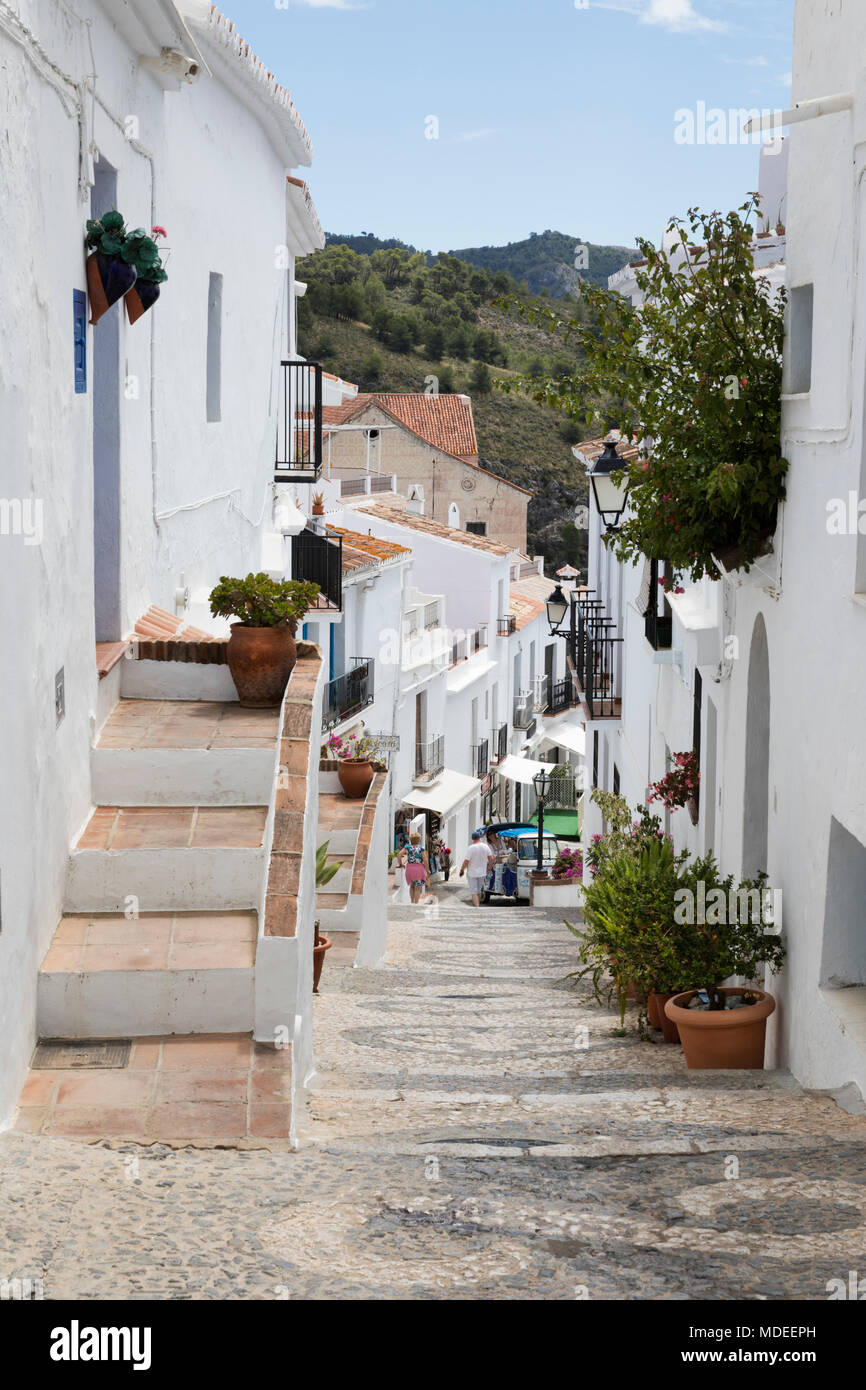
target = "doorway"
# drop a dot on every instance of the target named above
(756, 798)
(106, 440)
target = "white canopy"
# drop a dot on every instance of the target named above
(446, 796)
(521, 769)
(568, 734)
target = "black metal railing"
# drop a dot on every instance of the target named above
(480, 758)
(560, 695)
(500, 742)
(598, 671)
(348, 694)
(299, 423)
(505, 626)
(320, 558)
(430, 757)
(659, 622)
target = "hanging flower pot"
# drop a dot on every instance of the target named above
(140, 298)
(108, 279)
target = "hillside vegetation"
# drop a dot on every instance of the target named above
(393, 319)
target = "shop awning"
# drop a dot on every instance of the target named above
(446, 796)
(520, 769)
(568, 733)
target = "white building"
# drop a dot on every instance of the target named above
(764, 672)
(137, 458)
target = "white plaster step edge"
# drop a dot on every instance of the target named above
(142, 1003)
(182, 776)
(176, 680)
(204, 880)
(339, 841)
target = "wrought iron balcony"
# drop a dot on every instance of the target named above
(299, 423)
(430, 758)
(505, 626)
(598, 672)
(480, 758)
(348, 694)
(319, 558)
(500, 742)
(560, 695)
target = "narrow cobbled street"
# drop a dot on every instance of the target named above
(474, 1130)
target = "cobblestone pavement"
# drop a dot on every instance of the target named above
(474, 1131)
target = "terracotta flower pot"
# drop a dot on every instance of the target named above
(656, 1014)
(731, 1038)
(140, 298)
(108, 279)
(318, 511)
(323, 944)
(261, 660)
(355, 777)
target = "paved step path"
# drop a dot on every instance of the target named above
(474, 1130)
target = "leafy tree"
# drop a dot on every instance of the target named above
(479, 379)
(446, 380)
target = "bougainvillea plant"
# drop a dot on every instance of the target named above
(351, 748)
(679, 785)
(569, 864)
(694, 373)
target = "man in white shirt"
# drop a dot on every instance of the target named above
(478, 859)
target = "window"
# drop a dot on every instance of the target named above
(615, 780)
(595, 757)
(79, 340)
(798, 352)
(214, 345)
(477, 528)
(696, 722)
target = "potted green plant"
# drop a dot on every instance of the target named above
(318, 504)
(324, 873)
(142, 252)
(110, 275)
(355, 763)
(261, 649)
(724, 932)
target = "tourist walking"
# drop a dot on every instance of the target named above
(417, 867)
(478, 860)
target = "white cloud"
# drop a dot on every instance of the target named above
(475, 134)
(680, 16)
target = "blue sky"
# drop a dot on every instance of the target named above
(551, 114)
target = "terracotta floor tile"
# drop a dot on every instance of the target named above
(62, 957)
(146, 1054)
(39, 1087)
(97, 833)
(199, 1051)
(202, 1084)
(69, 930)
(198, 1120)
(267, 1087)
(104, 1088)
(163, 827)
(121, 931)
(270, 1121)
(212, 955)
(31, 1118)
(269, 1058)
(229, 827)
(98, 1122)
(178, 738)
(144, 956)
(216, 926)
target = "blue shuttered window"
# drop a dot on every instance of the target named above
(79, 340)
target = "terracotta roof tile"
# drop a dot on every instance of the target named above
(525, 610)
(361, 550)
(414, 522)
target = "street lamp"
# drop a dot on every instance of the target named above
(557, 606)
(610, 496)
(541, 783)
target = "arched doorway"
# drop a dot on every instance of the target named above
(757, 785)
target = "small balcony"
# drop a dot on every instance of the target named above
(347, 695)
(298, 456)
(598, 673)
(319, 558)
(499, 742)
(505, 626)
(480, 756)
(429, 759)
(468, 643)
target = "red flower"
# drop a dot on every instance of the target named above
(159, 231)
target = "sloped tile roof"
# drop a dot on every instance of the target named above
(524, 609)
(361, 550)
(414, 522)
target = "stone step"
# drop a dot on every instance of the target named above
(142, 858)
(105, 975)
(333, 902)
(178, 752)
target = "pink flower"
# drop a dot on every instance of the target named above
(160, 231)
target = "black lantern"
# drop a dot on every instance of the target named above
(557, 607)
(610, 497)
(541, 783)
